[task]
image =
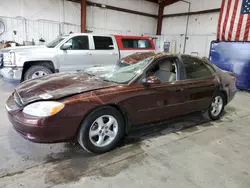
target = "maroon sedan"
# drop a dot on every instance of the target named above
(99, 110)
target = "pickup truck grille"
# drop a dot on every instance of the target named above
(17, 99)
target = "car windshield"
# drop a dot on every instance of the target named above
(123, 73)
(55, 42)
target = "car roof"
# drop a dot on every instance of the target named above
(134, 58)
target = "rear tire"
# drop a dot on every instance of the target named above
(36, 71)
(216, 108)
(101, 130)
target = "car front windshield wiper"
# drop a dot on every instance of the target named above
(106, 80)
(89, 74)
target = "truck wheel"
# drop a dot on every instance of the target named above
(36, 71)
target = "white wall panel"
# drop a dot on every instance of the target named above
(174, 25)
(147, 25)
(41, 9)
(11, 25)
(137, 5)
(178, 7)
(32, 10)
(201, 30)
(29, 30)
(35, 19)
(71, 28)
(196, 5)
(126, 23)
(72, 13)
(7, 9)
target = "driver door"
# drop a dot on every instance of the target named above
(77, 56)
(157, 102)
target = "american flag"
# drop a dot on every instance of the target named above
(234, 21)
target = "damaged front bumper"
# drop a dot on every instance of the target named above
(12, 73)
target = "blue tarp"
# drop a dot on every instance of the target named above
(233, 57)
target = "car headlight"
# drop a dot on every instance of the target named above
(9, 58)
(43, 109)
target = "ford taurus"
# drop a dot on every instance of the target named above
(99, 110)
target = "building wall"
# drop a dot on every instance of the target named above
(201, 30)
(108, 21)
(48, 18)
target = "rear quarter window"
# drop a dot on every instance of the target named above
(195, 68)
(136, 43)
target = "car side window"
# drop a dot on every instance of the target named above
(79, 43)
(136, 43)
(164, 70)
(103, 43)
(195, 68)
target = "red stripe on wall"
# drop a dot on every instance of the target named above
(220, 18)
(226, 19)
(233, 20)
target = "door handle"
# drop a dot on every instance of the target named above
(113, 53)
(88, 53)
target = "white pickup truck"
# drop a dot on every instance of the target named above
(70, 53)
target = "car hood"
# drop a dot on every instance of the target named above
(24, 48)
(57, 86)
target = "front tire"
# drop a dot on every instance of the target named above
(101, 131)
(36, 71)
(216, 108)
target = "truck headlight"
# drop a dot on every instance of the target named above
(43, 108)
(9, 59)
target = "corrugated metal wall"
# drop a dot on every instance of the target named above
(48, 18)
(33, 30)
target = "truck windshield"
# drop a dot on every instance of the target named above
(55, 42)
(124, 73)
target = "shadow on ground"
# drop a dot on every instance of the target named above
(74, 163)
(184, 124)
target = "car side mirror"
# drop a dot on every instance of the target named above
(151, 80)
(66, 46)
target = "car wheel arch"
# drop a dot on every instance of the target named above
(115, 106)
(226, 96)
(224, 92)
(28, 64)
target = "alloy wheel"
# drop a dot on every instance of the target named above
(217, 106)
(103, 131)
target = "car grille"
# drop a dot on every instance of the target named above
(17, 99)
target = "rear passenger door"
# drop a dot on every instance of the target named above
(199, 83)
(105, 51)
